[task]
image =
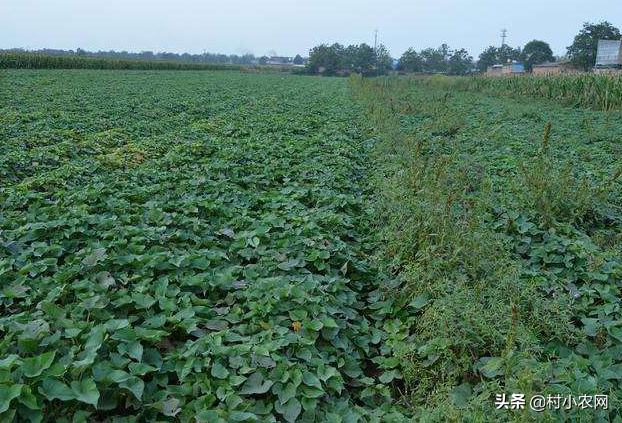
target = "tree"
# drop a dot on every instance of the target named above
(350, 57)
(247, 58)
(384, 61)
(365, 58)
(505, 54)
(359, 58)
(298, 60)
(411, 61)
(434, 60)
(445, 51)
(497, 56)
(146, 55)
(459, 63)
(583, 50)
(325, 58)
(263, 60)
(487, 58)
(167, 56)
(536, 52)
(354, 58)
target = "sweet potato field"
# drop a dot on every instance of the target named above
(217, 246)
(503, 220)
(186, 246)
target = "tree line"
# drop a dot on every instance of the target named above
(337, 59)
(581, 54)
(437, 60)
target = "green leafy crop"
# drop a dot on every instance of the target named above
(187, 247)
(502, 220)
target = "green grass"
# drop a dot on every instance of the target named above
(503, 222)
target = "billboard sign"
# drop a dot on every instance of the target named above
(608, 53)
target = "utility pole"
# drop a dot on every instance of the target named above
(376, 48)
(504, 35)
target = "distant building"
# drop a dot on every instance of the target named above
(495, 70)
(609, 54)
(285, 61)
(554, 68)
(279, 61)
(513, 68)
(510, 68)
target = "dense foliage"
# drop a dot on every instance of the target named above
(536, 52)
(497, 55)
(436, 60)
(336, 59)
(220, 246)
(583, 50)
(503, 223)
(596, 91)
(188, 247)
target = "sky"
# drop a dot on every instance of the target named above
(290, 27)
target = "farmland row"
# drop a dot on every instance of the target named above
(233, 247)
(213, 264)
(503, 221)
(10, 60)
(595, 91)
(51, 129)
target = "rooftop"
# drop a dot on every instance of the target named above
(548, 65)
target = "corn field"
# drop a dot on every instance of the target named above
(41, 61)
(601, 92)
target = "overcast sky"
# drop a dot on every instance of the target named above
(288, 27)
